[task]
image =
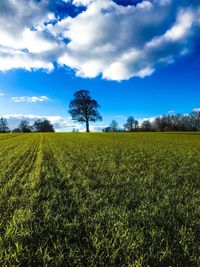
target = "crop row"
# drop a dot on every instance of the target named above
(100, 200)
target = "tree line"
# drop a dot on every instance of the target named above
(84, 109)
(164, 123)
(25, 127)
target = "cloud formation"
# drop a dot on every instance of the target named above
(107, 38)
(30, 99)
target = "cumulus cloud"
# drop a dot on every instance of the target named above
(29, 99)
(14, 59)
(106, 38)
(23, 41)
(121, 42)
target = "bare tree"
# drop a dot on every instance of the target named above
(24, 127)
(130, 124)
(4, 125)
(146, 126)
(114, 126)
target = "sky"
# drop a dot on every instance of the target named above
(139, 58)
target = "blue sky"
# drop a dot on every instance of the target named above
(133, 59)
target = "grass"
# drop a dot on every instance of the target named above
(94, 199)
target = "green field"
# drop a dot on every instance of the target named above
(123, 199)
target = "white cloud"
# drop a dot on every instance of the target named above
(196, 110)
(122, 42)
(32, 99)
(171, 112)
(150, 119)
(115, 41)
(13, 59)
(182, 26)
(82, 2)
(2, 94)
(22, 43)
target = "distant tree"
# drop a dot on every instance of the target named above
(114, 126)
(24, 127)
(195, 120)
(177, 122)
(16, 130)
(43, 126)
(84, 109)
(4, 125)
(130, 124)
(106, 130)
(146, 126)
(74, 130)
(136, 124)
(159, 124)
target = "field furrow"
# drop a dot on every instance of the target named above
(100, 200)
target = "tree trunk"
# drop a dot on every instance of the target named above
(87, 126)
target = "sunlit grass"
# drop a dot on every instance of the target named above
(100, 199)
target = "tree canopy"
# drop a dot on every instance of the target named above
(4, 125)
(43, 126)
(130, 124)
(24, 127)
